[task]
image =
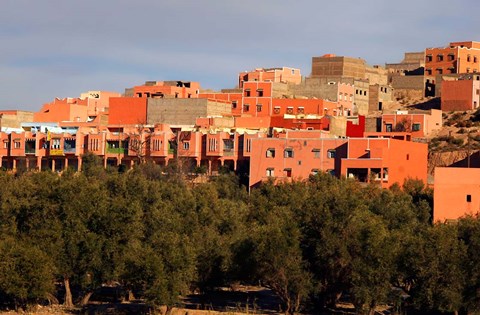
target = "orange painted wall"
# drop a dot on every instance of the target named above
(284, 74)
(170, 90)
(252, 122)
(452, 185)
(127, 111)
(304, 159)
(461, 60)
(68, 109)
(257, 99)
(282, 106)
(460, 95)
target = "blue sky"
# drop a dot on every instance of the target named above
(61, 48)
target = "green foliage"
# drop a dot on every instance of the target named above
(310, 242)
(26, 272)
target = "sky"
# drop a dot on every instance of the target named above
(62, 48)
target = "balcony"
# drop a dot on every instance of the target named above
(30, 147)
(113, 150)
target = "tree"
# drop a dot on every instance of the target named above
(26, 272)
(279, 261)
(139, 142)
(438, 261)
(372, 250)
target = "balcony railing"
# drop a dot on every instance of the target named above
(117, 150)
(29, 150)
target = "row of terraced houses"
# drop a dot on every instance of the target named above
(275, 125)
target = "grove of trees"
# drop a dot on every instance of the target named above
(312, 243)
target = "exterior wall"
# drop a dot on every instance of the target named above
(460, 95)
(252, 122)
(361, 97)
(300, 107)
(322, 88)
(411, 62)
(392, 161)
(284, 74)
(98, 101)
(67, 109)
(257, 98)
(331, 65)
(296, 157)
(184, 111)
(14, 118)
(408, 82)
(380, 97)
(127, 111)
(419, 125)
(458, 57)
(305, 158)
(165, 89)
(452, 186)
(300, 123)
(236, 99)
(190, 145)
(338, 126)
(356, 129)
(376, 75)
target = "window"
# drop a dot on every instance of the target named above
(385, 174)
(186, 145)
(5, 144)
(429, 58)
(428, 71)
(408, 157)
(212, 145)
(246, 107)
(475, 59)
(289, 110)
(234, 104)
(439, 71)
(450, 57)
(300, 110)
(260, 92)
(316, 153)
(270, 153)
(314, 171)
(228, 145)
(365, 93)
(247, 92)
(288, 172)
(249, 145)
(388, 127)
(293, 71)
(469, 198)
(259, 108)
(439, 57)
(276, 110)
(331, 154)
(288, 153)
(416, 127)
(469, 58)
(16, 144)
(270, 172)
(55, 144)
(468, 70)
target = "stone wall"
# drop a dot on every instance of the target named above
(179, 111)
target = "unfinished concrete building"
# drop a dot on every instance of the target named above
(406, 77)
(347, 70)
(184, 111)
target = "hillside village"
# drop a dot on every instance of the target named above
(415, 119)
